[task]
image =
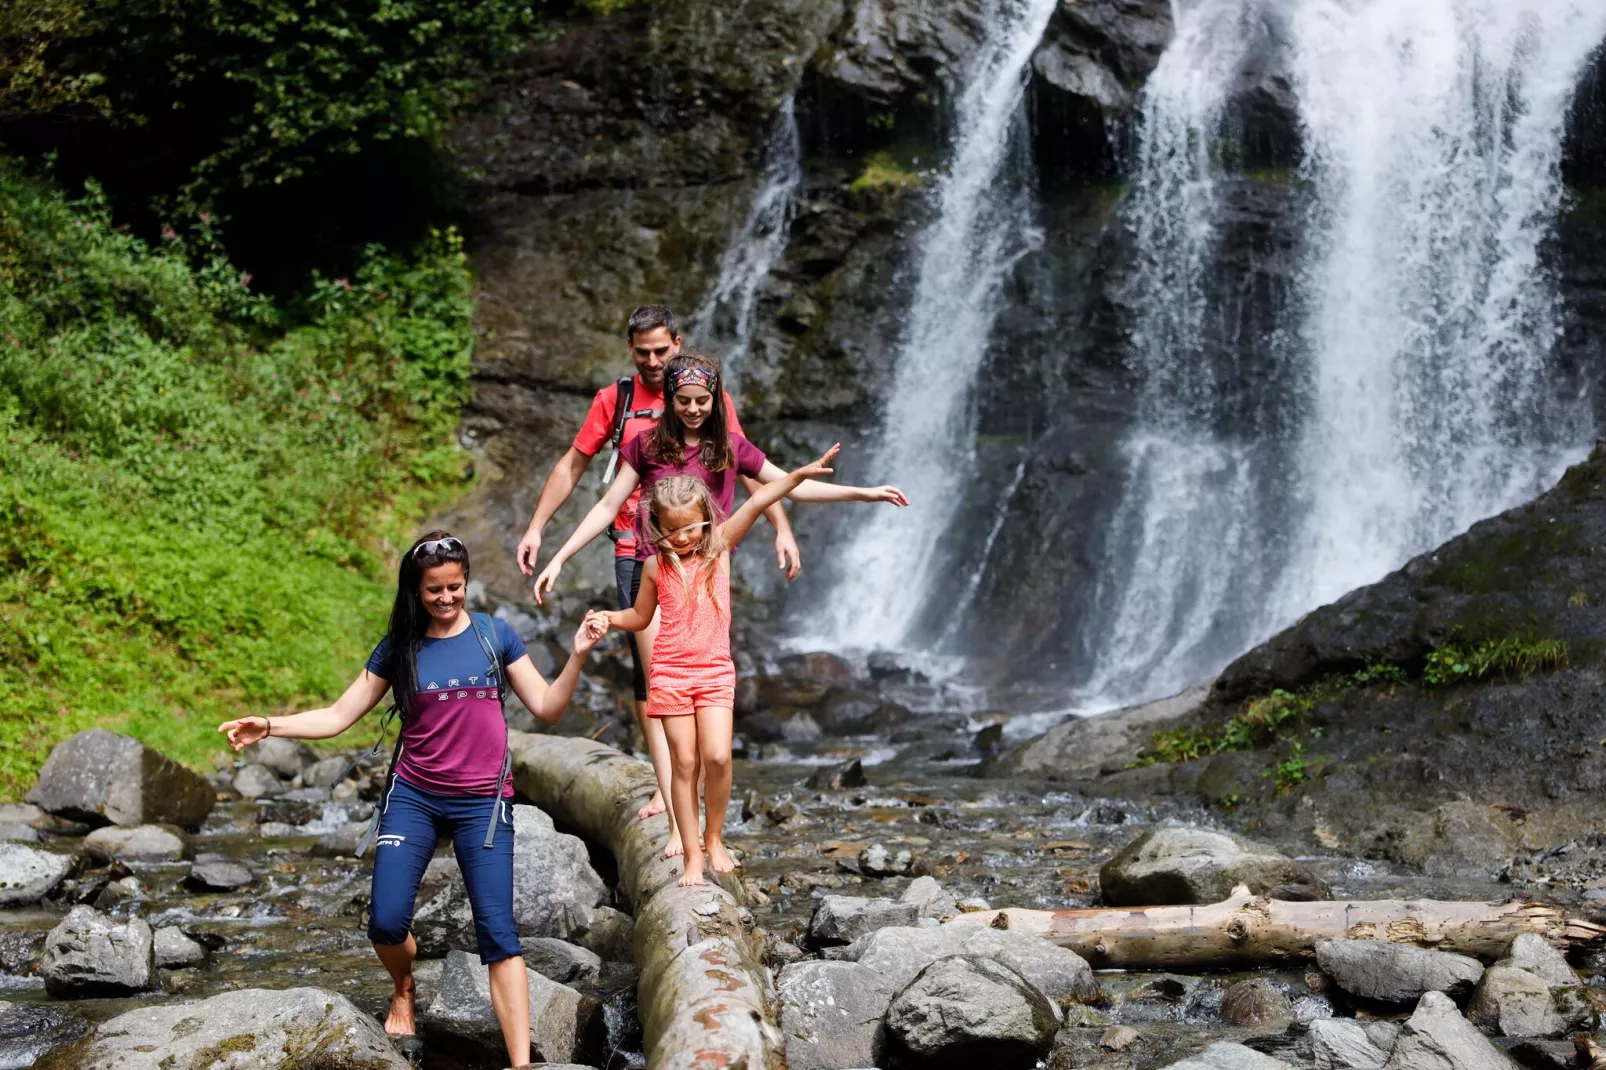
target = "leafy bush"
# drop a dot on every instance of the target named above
(199, 490)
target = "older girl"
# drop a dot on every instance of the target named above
(445, 669)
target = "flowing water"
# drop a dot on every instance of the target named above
(984, 221)
(1419, 339)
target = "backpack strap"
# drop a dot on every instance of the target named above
(624, 394)
(485, 632)
(372, 832)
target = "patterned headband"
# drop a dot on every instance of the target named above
(693, 376)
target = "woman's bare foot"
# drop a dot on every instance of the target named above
(400, 1023)
(674, 848)
(654, 807)
(719, 860)
(693, 875)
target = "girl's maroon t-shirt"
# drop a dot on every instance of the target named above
(722, 485)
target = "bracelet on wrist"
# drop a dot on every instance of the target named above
(267, 726)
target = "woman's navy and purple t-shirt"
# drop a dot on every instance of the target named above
(453, 738)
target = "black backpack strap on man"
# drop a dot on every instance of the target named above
(624, 394)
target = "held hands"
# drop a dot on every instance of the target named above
(245, 731)
(590, 632)
(546, 580)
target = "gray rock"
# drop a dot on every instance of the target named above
(103, 778)
(1395, 973)
(900, 954)
(610, 935)
(1224, 1055)
(831, 1014)
(973, 904)
(1193, 865)
(213, 873)
(28, 874)
(1255, 1002)
(929, 898)
(565, 1026)
(20, 814)
(1516, 1003)
(89, 954)
(143, 843)
(325, 772)
(1532, 952)
(18, 832)
(878, 861)
(841, 919)
(29, 1030)
(176, 951)
(286, 757)
(1383, 1034)
(967, 1006)
(251, 1029)
(1083, 747)
(1437, 1038)
(1341, 1044)
(256, 781)
(561, 961)
(342, 842)
(848, 774)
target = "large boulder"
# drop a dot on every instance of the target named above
(565, 1026)
(175, 950)
(831, 1014)
(284, 757)
(929, 898)
(29, 1030)
(898, 955)
(1081, 748)
(1341, 1044)
(28, 874)
(1175, 866)
(1395, 973)
(1225, 1055)
(842, 919)
(1436, 1036)
(966, 1008)
(251, 1029)
(104, 778)
(89, 954)
(561, 961)
(142, 843)
(1531, 993)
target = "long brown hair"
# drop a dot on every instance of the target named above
(667, 440)
(685, 492)
(409, 620)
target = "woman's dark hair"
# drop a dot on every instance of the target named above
(667, 440)
(409, 620)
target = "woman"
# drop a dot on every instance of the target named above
(690, 440)
(445, 669)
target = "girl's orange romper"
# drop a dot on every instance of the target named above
(691, 662)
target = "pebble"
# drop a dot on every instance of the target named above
(973, 904)
(1119, 1038)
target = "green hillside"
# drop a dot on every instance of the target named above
(200, 488)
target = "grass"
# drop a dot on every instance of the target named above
(200, 491)
(883, 173)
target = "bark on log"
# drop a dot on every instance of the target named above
(1247, 930)
(701, 994)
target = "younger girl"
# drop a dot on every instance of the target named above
(692, 686)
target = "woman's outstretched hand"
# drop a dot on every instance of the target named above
(245, 731)
(590, 632)
(547, 580)
(891, 495)
(821, 467)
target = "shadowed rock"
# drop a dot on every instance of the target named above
(1395, 973)
(964, 1008)
(103, 778)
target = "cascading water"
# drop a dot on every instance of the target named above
(723, 323)
(982, 227)
(1426, 396)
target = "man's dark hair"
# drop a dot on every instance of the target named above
(651, 317)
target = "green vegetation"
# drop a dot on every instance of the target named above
(883, 173)
(1456, 663)
(199, 489)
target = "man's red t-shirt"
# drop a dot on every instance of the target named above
(597, 430)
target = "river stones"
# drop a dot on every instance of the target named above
(900, 954)
(849, 774)
(1177, 866)
(142, 843)
(1224, 1055)
(342, 842)
(283, 757)
(326, 772)
(1395, 973)
(841, 919)
(173, 950)
(89, 954)
(966, 1008)
(28, 874)
(1255, 1002)
(1532, 992)
(929, 898)
(28, 1030)
(255, 781)
(217, 873)
(104, 778)
(1437, 1036)
(1341, 1044)
(251, 1029)
(561, 961)
(610, 935)
(565, 1026)
(831, 1014)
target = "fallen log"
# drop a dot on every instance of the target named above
(1248, 930)
(701, 993)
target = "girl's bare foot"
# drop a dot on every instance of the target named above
(400, 1023)
(718, 859)
(655, 806)
(674, 849)
(693, 875)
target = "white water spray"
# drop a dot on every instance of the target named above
(982, 227)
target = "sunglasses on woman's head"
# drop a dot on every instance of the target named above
(435, 546)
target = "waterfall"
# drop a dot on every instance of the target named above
(723, 323)
(1420, 336)
(983, 207)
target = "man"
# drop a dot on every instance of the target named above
(654, 340)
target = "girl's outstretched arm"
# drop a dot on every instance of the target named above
(595, 523)
(813, 491)
(363, 695)
(548, 701)
(741, 522)
(639, 615)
